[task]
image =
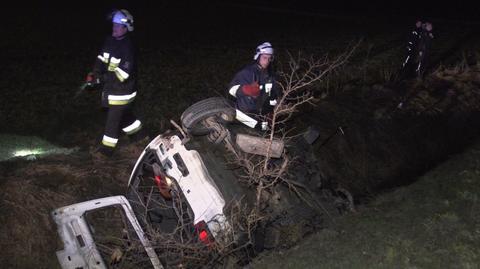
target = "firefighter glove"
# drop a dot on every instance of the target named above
(251, 89)
(90, 78)
(264, 125)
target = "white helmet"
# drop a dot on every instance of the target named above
(265, 48)
(123, 17)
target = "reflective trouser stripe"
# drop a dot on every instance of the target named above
(418, 67)
(121, 99)
(233, 90)
(133, 128)
(406, 60)
(118, 103)
(109, 141)
(119, 119)
(245, 119)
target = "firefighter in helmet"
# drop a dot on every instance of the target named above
(418, 49)
(408, 65)
(255, 90)
(115, 68)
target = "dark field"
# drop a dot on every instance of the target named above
(188, 53)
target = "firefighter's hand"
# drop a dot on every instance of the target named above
(262, 126)
(91, 81)
(90, 78)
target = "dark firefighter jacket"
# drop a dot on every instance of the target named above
(262, 104)
(413, 40)
(412, 46)
(116, 68)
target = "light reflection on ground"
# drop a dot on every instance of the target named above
(29, 147)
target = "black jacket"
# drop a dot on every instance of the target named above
(116, 67)
(413, 40)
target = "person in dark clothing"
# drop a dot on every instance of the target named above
(418, 48)
(418, 55)
(424, 45)
(115, 68)
(408, 65)
(255, 90)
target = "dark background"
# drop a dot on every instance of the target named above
(40, 39)
(212, 23)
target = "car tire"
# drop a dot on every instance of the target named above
(217, 107)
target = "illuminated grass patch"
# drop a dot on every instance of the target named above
(29, 147)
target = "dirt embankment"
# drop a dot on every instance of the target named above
(433, 223)
(382, 145)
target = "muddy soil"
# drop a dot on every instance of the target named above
(381, 145)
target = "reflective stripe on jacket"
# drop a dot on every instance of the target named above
(116, 67)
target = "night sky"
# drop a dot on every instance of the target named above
(166, 20)
(459, 10)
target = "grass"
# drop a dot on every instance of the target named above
(32, 189)
(433, 223)
(29, 147)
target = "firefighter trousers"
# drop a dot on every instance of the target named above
(120, 118)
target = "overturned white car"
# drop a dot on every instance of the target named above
(182, 190)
